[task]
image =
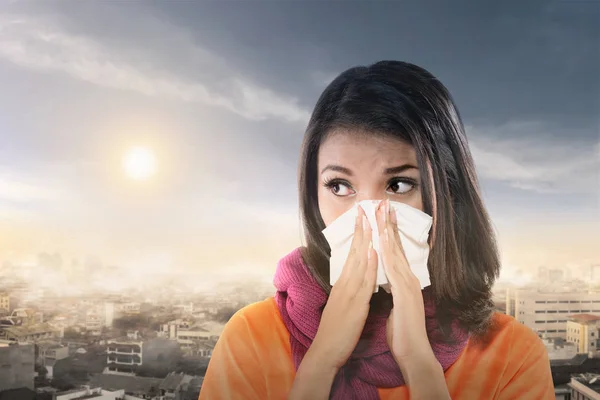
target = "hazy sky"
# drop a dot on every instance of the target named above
(221, 92)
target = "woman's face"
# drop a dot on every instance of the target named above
(353, 167)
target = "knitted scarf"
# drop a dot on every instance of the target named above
(301, 301)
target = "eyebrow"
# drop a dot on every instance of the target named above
(399, 169)
(387, 171)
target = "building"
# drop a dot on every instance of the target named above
(562, 392)
(96, 393)
(582, 329)
(132, 385)
(17, 365)
(564, 370)
(584, 387)
(192, 391)
(5, 302)
(94, 322)
(49, 353)
(28, 333)
(109, 314)
(204, 349)
(20, 394)
(559, 349)
(547, 312)
(131, 308)
(189, 333)
(124, 355)
(173, 385)
(186, 309)
(26, 316)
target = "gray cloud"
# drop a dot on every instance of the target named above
(42, 44)
(522, 155)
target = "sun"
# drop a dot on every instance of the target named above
(139, 163)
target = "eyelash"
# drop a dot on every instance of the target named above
(329, 183)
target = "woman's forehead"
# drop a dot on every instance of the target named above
(348, 147)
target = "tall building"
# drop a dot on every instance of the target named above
(16, 365)
(548, 312)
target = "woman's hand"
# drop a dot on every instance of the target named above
(343, 318)
(347, 308)
(406, 329)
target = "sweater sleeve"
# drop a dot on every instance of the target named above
(234, 371)
(532, 378)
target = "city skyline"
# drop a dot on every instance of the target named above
(221, 93)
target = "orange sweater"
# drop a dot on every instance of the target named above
(253, 360)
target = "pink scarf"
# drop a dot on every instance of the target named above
(301, 301)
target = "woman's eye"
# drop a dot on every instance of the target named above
(401, 187)
(339, 188)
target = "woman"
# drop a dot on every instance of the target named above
(389, 131)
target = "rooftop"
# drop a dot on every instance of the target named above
(88, 396)
(125, 340)
(584, 318)
(30, 329)
(578, 359)
(71, 391)
(172, 381)
(49, 345)
(21, 394)
(591, 381)
(131, 384)
(205, 345)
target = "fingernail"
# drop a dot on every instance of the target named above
(387, 206)
(365, 222)
(393, 217)
(370, 248)
(385, 235)
(387, 287)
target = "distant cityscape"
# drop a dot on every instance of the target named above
(82, 330)
(87, 331)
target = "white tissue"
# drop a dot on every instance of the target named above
(413, 226)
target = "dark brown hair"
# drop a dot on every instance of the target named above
(406, 102)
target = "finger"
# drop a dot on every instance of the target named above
(370, 275)
(357, 240)
(363, 246)
(357, 274)
(388, 255)
(395, 233)
(394, 262)
(386, 245)
(393, 227)
(380, 216)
